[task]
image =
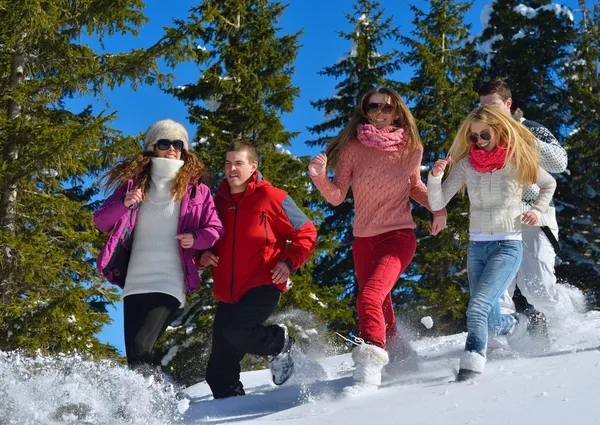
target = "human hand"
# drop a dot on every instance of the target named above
(208, 259)
(529, 217)
(133, 197)
(318, 165)
(186, 240)
(440, 165)
(280, 273)
(438, 224)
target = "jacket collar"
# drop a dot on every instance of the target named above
(256, 180)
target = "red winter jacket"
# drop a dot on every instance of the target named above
(257, 230)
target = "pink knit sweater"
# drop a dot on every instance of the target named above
(381, 183)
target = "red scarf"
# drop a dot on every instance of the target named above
(484, 161)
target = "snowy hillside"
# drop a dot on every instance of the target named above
(559, 385)
(552, 387)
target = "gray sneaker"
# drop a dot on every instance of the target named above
(282, 364)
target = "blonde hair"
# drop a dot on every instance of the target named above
(405, 120)
(523, 149)
(138, 168)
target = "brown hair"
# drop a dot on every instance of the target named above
(139, 167)
(405, 120)
(523, 149)
(496, 86)
(243, 146)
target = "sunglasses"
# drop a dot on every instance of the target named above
(385, 108)
(164, 144)
(484, 135)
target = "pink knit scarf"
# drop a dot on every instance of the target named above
(385, 139)
(484, 161)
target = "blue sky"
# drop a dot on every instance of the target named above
(321, 46)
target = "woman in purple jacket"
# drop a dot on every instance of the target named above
(159, 216)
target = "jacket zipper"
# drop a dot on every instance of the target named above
(235, 207)
(264, 222)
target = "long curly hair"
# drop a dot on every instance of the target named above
(523, 149)
(138, 168)
(405, 120)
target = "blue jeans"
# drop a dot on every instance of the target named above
(491, 267)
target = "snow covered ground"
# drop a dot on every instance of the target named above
(558, 385)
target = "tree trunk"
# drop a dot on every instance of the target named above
(8, 196)
(8, 188)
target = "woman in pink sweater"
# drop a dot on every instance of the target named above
(379, 152)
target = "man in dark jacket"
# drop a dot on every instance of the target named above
(251, 265)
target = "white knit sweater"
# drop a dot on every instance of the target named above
(494, 197)
(155, 263)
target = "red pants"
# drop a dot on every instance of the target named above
(379, 261)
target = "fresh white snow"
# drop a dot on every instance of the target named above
(552, 386)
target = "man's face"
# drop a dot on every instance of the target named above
(238, 170)
(496, 100)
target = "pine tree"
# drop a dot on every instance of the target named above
(362, 68)
(580, 200)
(526, 42)
(245, 84)
(50, 295)
(441, 93)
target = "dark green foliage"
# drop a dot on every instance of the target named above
(50, 295)
(529, 49)
(580, 192)
(361, 69)
(440, 95)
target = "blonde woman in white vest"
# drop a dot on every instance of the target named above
(494, 157)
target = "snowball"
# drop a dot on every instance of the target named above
(183, 405)
(427, 321)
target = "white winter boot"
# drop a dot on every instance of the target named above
(369, 361)
(471, 365)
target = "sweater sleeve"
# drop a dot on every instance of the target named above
(112, 209)
(210, 228)
(553, 157)
(418, 190)
(547, 186)
(441, 193)
(335, 191)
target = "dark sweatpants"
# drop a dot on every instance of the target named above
(238, 330)
(146, 318)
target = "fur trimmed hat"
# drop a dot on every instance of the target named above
(165, 129)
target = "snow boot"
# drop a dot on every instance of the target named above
(537, 325)
(282, 364)
(471, 366)
(466, 375)
(369, 361)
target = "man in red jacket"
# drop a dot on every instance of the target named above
(251, 264)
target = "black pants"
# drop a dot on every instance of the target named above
(238, 330)
(146, 319)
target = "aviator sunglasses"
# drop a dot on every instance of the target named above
(164, 144)
(385, 108)
(484, 135)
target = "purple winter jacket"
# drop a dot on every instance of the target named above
(197, 216)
